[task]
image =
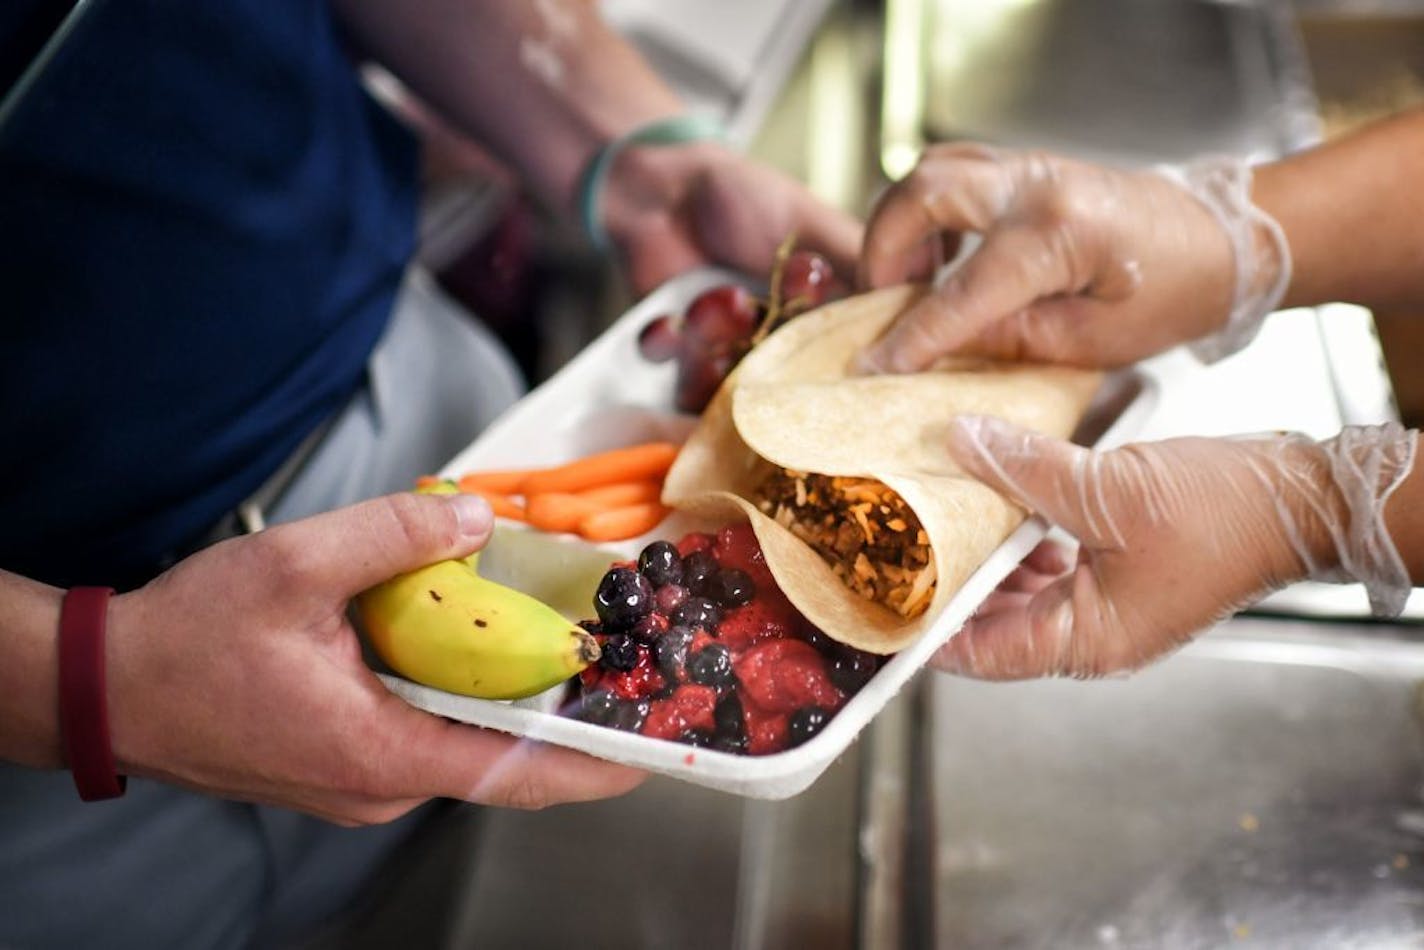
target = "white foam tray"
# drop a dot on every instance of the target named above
(608, 396)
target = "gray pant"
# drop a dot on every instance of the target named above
(162, 867)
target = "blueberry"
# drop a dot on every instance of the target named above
(620, 653)
(732, 587)
(592, 626)
(710, 666)
(597, 706)
(649, 628)
(624, 597)
(737, 745)
(728, 716)
(629, 715)
(670, 652)
(698, 612)
(822, 642)
(660, 563)
(851, 669)
(698, 737)
(698, 569)
(669, 597)
(805, 723)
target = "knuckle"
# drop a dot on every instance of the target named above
(410, 518)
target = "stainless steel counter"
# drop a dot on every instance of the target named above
(1264, 788)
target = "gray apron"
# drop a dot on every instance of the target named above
(161, 867)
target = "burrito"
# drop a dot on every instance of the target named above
(863, 516)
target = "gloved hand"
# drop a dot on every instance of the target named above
(1080, 264)
(1174, 536)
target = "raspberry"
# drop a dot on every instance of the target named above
(766, 732)
(697, 541)
(769, 617)
(642, 681)
(781, 676)
(689, 707)
(736, 546)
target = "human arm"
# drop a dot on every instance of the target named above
(1177, 535)
(237, 673)
(1092, 265)
(546, 84)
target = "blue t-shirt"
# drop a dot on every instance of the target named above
(203, 224)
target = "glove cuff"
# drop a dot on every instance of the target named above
(1368, 463)
(1258, 244)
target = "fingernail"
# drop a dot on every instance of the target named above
(472, 515)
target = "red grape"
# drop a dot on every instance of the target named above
(723, 314)
(698, 377)
(806, 280)
(660, 340)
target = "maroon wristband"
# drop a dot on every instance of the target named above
(83, 699)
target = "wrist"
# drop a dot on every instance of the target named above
(29, 677)
(1331, 501)
(1261, 255)
(646, 171)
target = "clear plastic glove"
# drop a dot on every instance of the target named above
(1174, 536)
(1079, 264)
(237, 673)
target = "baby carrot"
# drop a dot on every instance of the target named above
(558, 511)
(623, 493)
(502, 505)
(619, 524)
(504, 482)
(650, 460)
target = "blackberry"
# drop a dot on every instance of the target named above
(737, 745)
(732, 587)
(670, 652)
(698, 612)
(624, 597)
(620, 653)
(805, 723)
(711, 666)
(630, 715)
(592, 626)
(851, 670)
(698, 569)
(660, 563)
(597, 706)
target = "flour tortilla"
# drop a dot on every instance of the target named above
(794, 402)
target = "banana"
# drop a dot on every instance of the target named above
(446, 626)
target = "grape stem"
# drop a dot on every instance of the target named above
(775, 306)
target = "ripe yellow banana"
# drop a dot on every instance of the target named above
(446, 626)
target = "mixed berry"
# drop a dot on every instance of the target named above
(700, 646)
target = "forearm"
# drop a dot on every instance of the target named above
(1353, 212)
(1404, 514)
(543, 83)
(29, 673)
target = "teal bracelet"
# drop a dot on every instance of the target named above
(674, 130)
